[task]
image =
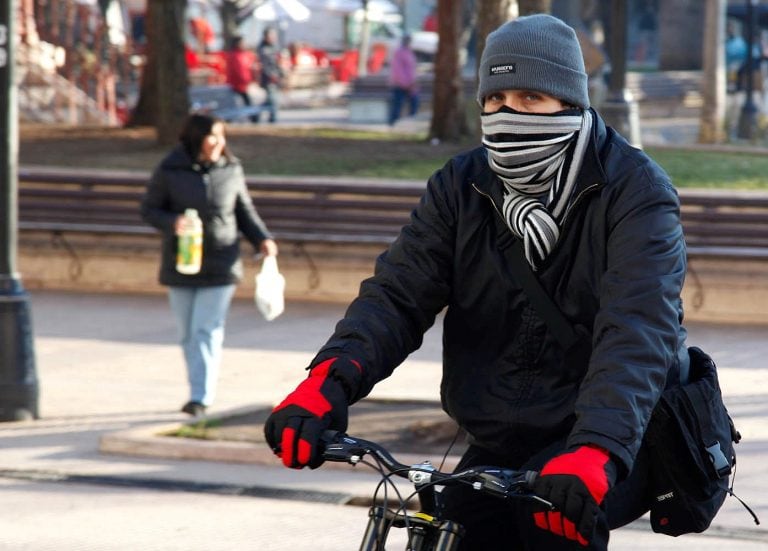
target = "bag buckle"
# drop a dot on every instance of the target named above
(718, 460)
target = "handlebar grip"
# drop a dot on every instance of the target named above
(530, 478)
(330, 437)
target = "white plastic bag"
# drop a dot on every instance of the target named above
(270, 285)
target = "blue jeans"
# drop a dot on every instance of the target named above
(272, 100)
(399, 96)
(200, 315)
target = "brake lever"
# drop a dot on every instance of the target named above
(505, 482)
(338, 447)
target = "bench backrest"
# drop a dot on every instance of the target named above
(345, 210)
(725, 222)
(211, 98)
(294, 209)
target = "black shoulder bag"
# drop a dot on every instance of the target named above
(690, 435)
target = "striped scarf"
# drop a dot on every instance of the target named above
(537, 157)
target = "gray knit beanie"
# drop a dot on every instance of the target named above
(538, 53)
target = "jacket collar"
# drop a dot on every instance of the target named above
(178, 158)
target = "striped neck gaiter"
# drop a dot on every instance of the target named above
(537, 157)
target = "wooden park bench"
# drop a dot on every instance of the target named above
(717, 223)
(725, 223)
(220, 101)
(666, 93)
(329, 210)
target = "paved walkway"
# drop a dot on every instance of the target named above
(109, 369)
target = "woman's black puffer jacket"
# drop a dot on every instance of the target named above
(219, 194)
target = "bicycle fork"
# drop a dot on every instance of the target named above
(425, 533)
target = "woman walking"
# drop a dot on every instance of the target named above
(201, 173)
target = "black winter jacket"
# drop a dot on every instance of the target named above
(616, 273)
(221, 198)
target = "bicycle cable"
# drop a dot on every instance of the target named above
(450, 447)
(385, 482)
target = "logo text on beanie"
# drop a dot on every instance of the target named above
(504, 69)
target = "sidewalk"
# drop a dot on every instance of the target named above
(108, 364)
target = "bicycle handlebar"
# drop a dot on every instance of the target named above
(340, 447)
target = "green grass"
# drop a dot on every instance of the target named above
(709, 169)
(200, 429)
(688, 169)
(345, 152)
(314, 165)
(351, 134)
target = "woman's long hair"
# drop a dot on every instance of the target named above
(196, 128)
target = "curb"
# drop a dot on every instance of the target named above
(153, 441)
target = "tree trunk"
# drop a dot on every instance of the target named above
(449, 121)
(712, 124)
(163, 101)
(680, 50)
(491, 14)
(230, 26)
(166, 33)
(145, 112)
(527, 7)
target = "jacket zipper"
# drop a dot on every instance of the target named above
(484, 194)
(577, 200)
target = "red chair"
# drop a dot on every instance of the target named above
(348, 67)
(378, 58)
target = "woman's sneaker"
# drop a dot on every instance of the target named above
(196, 409)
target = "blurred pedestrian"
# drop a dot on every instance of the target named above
(402, 80)
(430, 22)
(201, 173)
(735, 56)
(272, 74)
(240, 67)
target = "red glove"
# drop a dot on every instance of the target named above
(319, 403)
(575, 483)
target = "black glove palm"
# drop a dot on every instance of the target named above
(319, 403)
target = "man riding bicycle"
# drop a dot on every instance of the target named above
(599, 225)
